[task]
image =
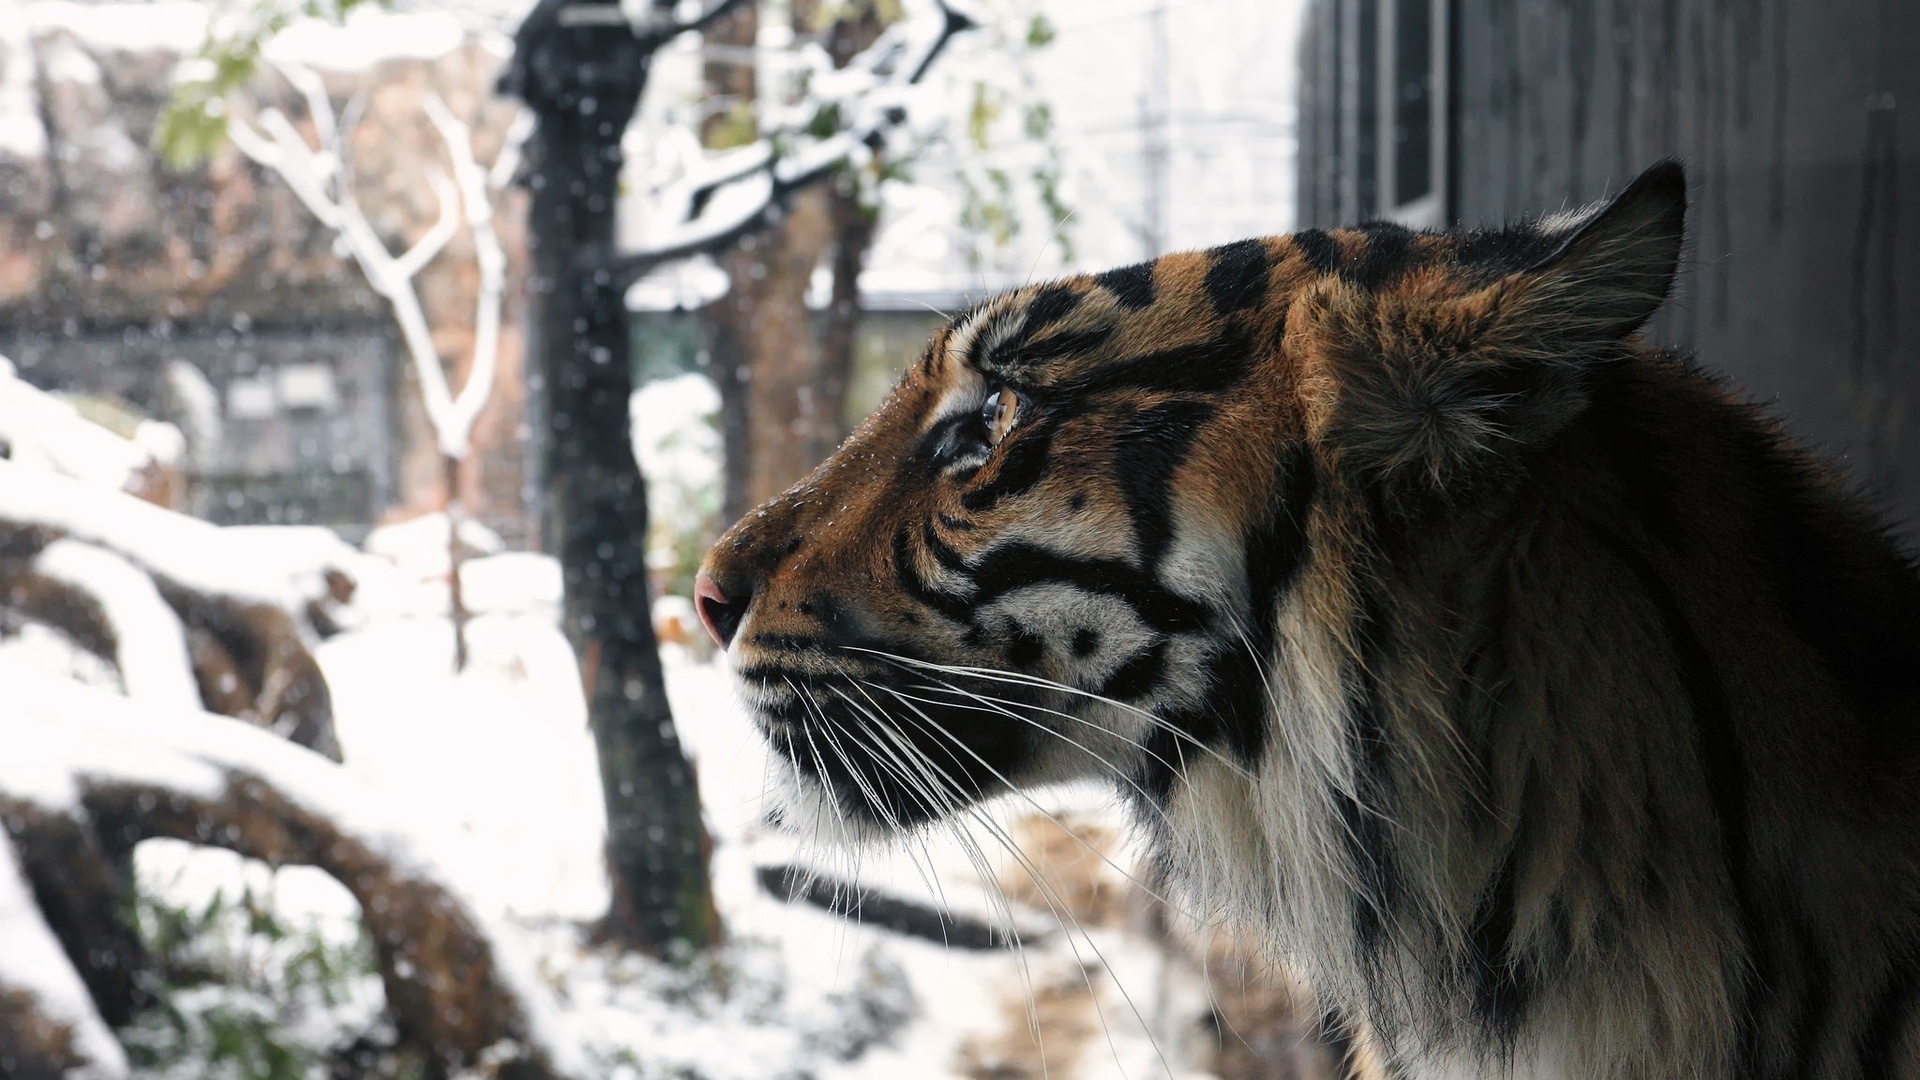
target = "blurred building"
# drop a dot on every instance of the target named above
(211, 298)
(1803, 276)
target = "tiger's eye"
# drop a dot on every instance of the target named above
(998, 413)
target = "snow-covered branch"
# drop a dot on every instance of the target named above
(317, 177)
(85, 758)
(718, 199)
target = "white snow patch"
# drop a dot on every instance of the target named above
(676, 440)
(22, 135)
(199, 406)
(150, 648)
(199, 555)
(369, 36)
(43, 431)
(65, 62)
(512, 581)
(178, 26)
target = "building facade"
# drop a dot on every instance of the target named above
(1802, 277)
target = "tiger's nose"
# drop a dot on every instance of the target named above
(720, 615)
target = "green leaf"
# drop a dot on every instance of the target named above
(1040, 31)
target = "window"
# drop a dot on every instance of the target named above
(1391, 101)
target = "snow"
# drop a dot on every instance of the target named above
(43, 431)
(221, 562)
(676, 440)
(512, 582)
(70, 730)
(199, 405)
(22, 134)
(36, 964)
(150, 648)
(178, 26)
(371, 35)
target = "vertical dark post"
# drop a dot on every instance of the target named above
(581, 68)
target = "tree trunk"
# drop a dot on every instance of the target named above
(456, 557)
(583, 81)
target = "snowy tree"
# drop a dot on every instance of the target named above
(320, 177)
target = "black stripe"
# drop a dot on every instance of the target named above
(941, 551)
(1856, 606)
(1720, 752)
(1213, 366)
(1138, 676)
(1321, 253)
(1150, 447)
(1238, 277)
(1380, 892)
(1048, 306)
(1022, 464)
(1067, 343)
(956, 608)
(947, 438)
(1383, 257)
(1502, 983)
(1720, 757)
(1132, 286)
(1272, 556)
(1337, 1034)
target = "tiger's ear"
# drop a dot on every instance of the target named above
(1424, 397)
(1610, 274)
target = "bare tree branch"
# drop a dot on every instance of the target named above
(318, 179)
(764, 178)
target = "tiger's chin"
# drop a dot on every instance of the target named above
(842, 774)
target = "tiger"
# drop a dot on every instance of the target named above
(1517, 683)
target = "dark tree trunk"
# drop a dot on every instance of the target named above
(582, 76)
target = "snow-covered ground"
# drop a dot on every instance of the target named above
(495, 769)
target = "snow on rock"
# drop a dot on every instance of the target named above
(43, 431)
(31, 960)
(512, 581)
(201, 556)
(69, 730)
(150, 648)
(419, 545)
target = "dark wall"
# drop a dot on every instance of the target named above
(1804, 275)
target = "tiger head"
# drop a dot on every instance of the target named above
(1062, 545)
